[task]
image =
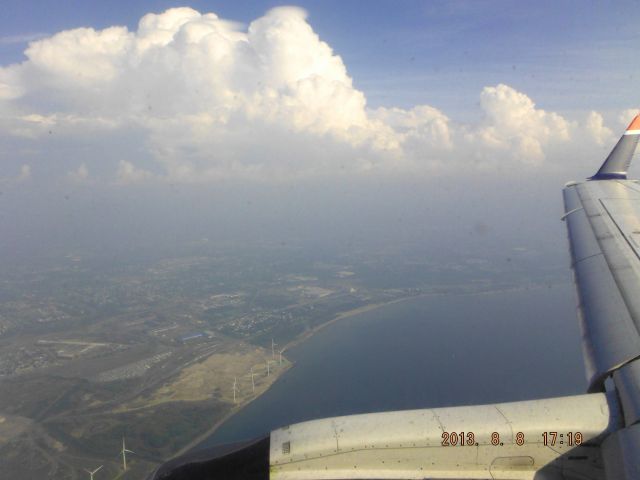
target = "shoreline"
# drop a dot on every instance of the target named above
(305, 336)
(349, 313)
(373, 306)
(308, 334)
(211, 430)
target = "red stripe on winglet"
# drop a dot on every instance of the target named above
(635, 124)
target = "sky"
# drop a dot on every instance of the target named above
(579, 47)
(121, 104)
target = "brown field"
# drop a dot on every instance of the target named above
(214, 376)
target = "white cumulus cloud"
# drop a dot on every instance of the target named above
(79, 175)
(627, 115)
(597, 130)
(513, 124)
(129, 173)
(193, 97)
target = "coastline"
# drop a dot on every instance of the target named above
(349, 313)
(305, 336)
(308, 334)
(373, 306)
(211, 430)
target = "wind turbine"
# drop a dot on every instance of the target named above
(273, 351)
(235, 388)
(281, 356)
(124, 455)
(94, 472)
(253, 383)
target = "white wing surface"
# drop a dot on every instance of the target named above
(603, 222)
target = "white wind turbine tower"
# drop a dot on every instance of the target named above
(124, 455)
(91, 474)
(253, 383)
(235, 388)
(273, 349)
(281, 356)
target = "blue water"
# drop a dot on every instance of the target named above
(426, 352)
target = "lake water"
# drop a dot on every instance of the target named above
(426, 352)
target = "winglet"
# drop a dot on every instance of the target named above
(618, 161)
(634, 126)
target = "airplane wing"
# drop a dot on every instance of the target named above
(603, 222)
(591, 436)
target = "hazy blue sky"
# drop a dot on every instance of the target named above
(108, 101)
